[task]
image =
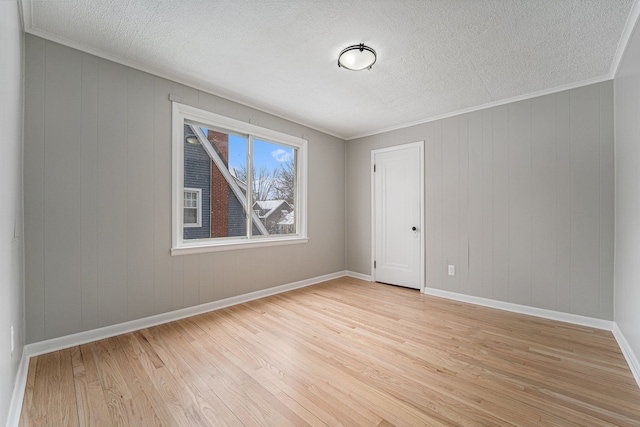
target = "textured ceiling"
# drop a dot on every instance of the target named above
(434, 57)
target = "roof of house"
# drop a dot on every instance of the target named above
(289, 219)
(271, 206)
(234, 173)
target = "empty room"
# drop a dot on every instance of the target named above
(297, 212)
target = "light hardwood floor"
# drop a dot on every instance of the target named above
(345, 352)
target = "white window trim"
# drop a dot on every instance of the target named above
(198, 192)
(180, 246)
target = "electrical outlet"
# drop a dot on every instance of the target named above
(452, 270)
(13, 340)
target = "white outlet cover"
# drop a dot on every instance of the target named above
(452, 270)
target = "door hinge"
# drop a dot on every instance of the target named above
(374, 167)
(374, 264)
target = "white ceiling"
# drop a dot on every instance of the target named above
(435, 58)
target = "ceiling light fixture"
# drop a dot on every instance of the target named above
(357, 57)
(192, 140)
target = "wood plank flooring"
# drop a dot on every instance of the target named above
(345, 352)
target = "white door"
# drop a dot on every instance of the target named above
(398, 216)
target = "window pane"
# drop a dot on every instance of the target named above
(190, 216)
(226, 200)
(217, 166)
(274, 187)
(190, 199)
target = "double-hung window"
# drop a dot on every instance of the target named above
(192, 215)
(235, 184)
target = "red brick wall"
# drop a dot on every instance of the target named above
(219, 186)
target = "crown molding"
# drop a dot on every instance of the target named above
(632, 19)
(511, 100)
(632, 22)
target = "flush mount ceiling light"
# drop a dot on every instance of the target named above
(357, 57)
(192, 140)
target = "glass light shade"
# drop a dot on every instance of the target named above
(357, 57)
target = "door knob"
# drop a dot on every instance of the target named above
(413, 228)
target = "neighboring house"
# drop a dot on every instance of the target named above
(276, 215)
(212, 208)
(221, 213)
(287, 225)
(197, 179)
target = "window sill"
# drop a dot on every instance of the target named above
(235, 245)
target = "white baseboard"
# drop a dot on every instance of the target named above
(67, 341)
(628, 353)
(60, 343)
(358, 276)
(524, 309)
(13, 418)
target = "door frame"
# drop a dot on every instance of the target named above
(420, 145)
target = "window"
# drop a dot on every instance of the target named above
(235, 185)
(192, 214)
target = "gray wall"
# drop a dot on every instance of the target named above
(627, 266)
(11, 259)
(519, 198)
(97, 150)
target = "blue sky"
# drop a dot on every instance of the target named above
(264, 153)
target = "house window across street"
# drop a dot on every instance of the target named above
(240, 185)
